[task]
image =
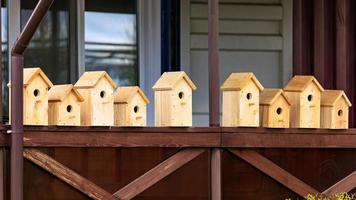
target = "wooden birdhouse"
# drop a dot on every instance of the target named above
(130, 107)
(304, 93)
(334, 109)
(173, 99)
(274, 109)
(96, 87)
(241, 100)
(35, 96)
(64, 105)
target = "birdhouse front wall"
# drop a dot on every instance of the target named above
(278, 114)
(248, 109)
(132, 113)
(310, 107)
(66, 112)
(335, 117)
(102, 104)
(181, 99)
(35, 102)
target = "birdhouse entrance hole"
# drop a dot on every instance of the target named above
(69, 108)
(279, 111)
(102, 94)
(339, 113)
(310, 97)
(136, 108)
(249, 96)
(36, 92)
(181, 95)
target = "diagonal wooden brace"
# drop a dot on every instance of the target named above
(274, 171)
(67, 175)
(345, 185)
(158, 173)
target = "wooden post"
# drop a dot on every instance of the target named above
(214, 72)
(215, 174)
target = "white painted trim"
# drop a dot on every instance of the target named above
(185, 35)
(14, 25)
(81, 36)
(149, 43)
(287, 28)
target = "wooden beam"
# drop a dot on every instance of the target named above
(67, 175)
(215, 174)
(157, 173)
(345, 185)
(274, 171)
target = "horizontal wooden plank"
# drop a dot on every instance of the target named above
(288, 138)
(238, 42)
(122, 137)
(237, 27)
(274, 171)
(67, 175)
(157, 173)
(199, 10)
(242, 1)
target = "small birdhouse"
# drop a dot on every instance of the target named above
(64, 105)
(334, 109)
(96, 87)
(130, 107)
(35, 96)
(304, 93)
(274, 109)
(173, 99)
(241, 99)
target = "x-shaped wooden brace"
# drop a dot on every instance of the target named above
(129, 191)
(288, 180)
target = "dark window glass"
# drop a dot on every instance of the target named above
(111, 39)
(49, 48)
(5, 63)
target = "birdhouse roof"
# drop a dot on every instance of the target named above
(269, 96)
(125, 94)
(237, 81)
(60, 92)
(299, 83)
(90, 79)
(330, 97)
(169, 79)
(30, 73)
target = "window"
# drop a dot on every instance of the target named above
(111, 39)
(49, 48)
(5, 63)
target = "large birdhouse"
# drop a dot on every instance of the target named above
(334, 109)
(35, 96)
(304, 93)
(274, 109)
(64, 105)
(173, 99)
(96, 87)
(241, 93)
(130, 107)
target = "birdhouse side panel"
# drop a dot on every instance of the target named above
(181, 98)
(278, 114)
(53, 113)
(248, 113)
(137, 111)
(86, 107)
(230, 107)
(163, 108)
(327, 117)
(69, 111)
(294, 118)
(264, 115)
(341, 115)
(36, 102)
(121, 116)
(310, 107)
(103, 104)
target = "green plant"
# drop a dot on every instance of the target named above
(339, 196)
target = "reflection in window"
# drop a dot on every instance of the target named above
(5, 63)
(49, 48)
(111, 39)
